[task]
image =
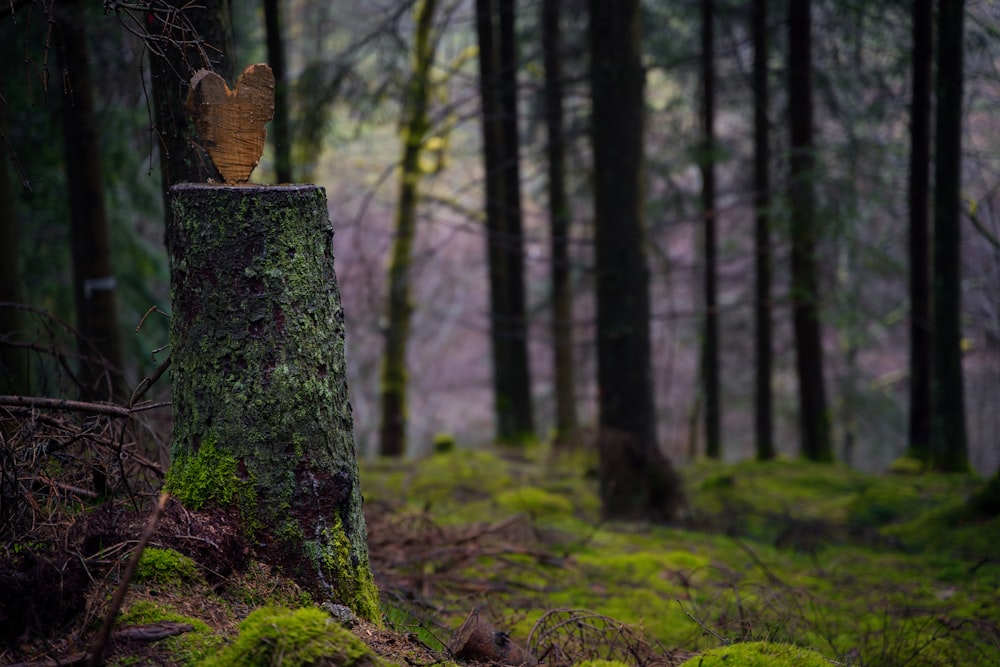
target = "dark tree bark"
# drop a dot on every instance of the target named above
(636, 479)
(280, 136)
(93, 280)
(192, 36)
(517, 395)
(920, 262)
(397, 333)
(559, 224)
(710, 366)
(814, 417)
(15, 377)
(949, 449)
(763, 412)
(489, 83)
(262, 423)
(508, 325)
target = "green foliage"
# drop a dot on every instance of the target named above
(759, 654)
(165, 566)
(293, 638)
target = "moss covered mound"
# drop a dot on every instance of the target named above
(294, 638)
(188, 648)
(759, 654)
(165, 566)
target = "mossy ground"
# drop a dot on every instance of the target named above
(759, 654)
(863, 569)
(888, 570)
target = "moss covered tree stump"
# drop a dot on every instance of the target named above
(262, 421)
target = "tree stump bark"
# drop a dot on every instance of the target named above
(262, 421)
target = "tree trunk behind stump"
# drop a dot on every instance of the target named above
(262, 421)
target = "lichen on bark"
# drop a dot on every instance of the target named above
(259, 371)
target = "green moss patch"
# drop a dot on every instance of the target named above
(209, 477)
(534, 502)
(165, 566)
(293, 638)
(331, 556)
(759, 654)
(461, 483)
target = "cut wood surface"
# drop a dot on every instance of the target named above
(478, 641)
(231, 122)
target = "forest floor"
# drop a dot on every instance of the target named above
(886, 570)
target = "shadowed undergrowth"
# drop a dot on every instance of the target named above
(864, 570)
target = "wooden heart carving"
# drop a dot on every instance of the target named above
(231, 122)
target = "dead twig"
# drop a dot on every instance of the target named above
(97, 650)
(722, 640)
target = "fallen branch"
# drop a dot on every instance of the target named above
(153, 632)
(67, 405)
(64, 404)
(68, 661)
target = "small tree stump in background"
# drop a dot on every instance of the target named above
(478, 641)
(231, 122)
(262, 421)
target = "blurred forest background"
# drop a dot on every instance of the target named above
(376, 89)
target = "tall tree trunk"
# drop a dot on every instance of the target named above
(93, 281)
(280, 137)
(508, 331)
(517, 395)
(636, 479)
(920, 262)
(949, 449)
(397, 333)
(763, 412)
(15, 377)
(559, 223)
(489, 83)
(190, 37)
(262, 421)
(710, 344)
(814, 418)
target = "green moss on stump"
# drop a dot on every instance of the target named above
(758, 654)
(209, 476)
(262, 419)
(299, 638)
(331, 557)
